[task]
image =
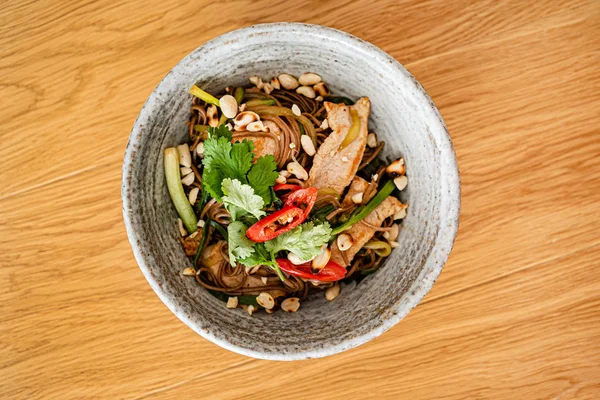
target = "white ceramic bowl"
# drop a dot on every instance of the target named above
(402, 114)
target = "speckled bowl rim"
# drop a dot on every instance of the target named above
(438, 255)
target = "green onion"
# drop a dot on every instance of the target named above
(259, 102)
(202, 95)
(382, 249)
(239, 94)
(202, 242)
(219, 229)
(361, 213)
(180, 200)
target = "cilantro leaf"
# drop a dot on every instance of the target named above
(240, 199)
(220, 131)
(262, 176)
(239, 245)
(225, 160)
(305, 241)
(262, 257)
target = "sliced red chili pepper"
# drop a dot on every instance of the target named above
(303, 198)
(275, 224)
(330, 273)
(286, 186)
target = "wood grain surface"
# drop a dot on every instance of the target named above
(515, 313)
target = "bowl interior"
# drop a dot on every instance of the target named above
(402, 115)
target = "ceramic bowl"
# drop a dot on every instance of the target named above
(402, 114)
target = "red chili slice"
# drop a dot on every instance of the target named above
(286, 186)
(330, 273)
(275, 224)
(303, 198)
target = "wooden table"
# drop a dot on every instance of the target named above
(516, 311)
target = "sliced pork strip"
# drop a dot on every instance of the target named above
(362, 233)
(333, 168)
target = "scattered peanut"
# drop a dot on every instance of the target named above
(296, 110)
(321, 89)
(232, 302)
(371, 140)
(357, 198)
(297, 169)
(267, 88)
(212, 116)
(256, 126)
(185, 170)
(306, 91)
(291, 304)
(401, 182)
(332, 292)
(397, 167)
(324, 124)
(394, 244)
(193, 195)
(256, 81)
(288, 82)
(229, 106)
(344, 242)
(308, 145)
(185, 157)
(319, 262)
(392, 234)
(201, 223)
(319, 98)
(182, 230)
(400, 214)
(309, 79)
(244, 118)
(189, 271)
(188, 179)
(265, 300)
(294, 259)
(275, 83)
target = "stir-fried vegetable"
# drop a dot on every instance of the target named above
(362, 212)
(204, 96)
(302, 198)
(381, 248)
(330, 273)
(275, 224)
(260, 102)
(202, 240)
(353, 131)
(180, 200)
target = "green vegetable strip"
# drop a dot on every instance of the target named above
(239, 94)
(202, 95)
(180, 200)
(220, 229)
(260, 102)
(202, 241)
(385, 191)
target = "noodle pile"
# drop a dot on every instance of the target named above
(288, 147)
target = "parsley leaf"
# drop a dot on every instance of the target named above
(305, 241)
(262, 176)
(240, 199)
(239, 245)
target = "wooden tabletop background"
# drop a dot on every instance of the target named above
(514, 315)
